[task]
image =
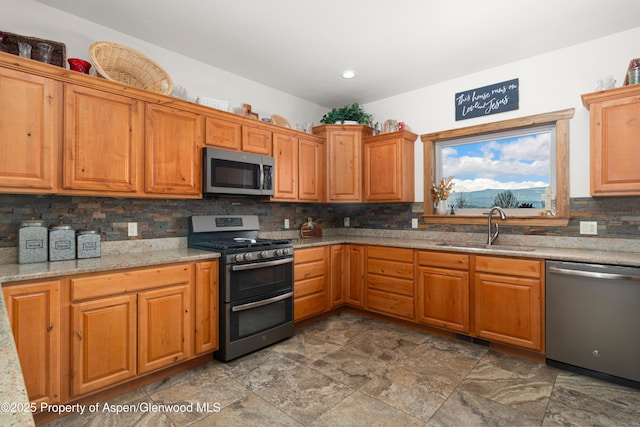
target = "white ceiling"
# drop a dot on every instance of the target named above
(302, 46)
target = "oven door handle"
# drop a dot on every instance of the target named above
(261, 264)
(256, 304)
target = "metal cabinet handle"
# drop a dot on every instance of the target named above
(261, 264)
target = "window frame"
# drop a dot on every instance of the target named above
(560, 119)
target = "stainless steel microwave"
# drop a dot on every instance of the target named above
(236, 173)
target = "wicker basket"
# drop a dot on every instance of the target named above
(122, 64)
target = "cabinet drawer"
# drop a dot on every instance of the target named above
(444, 260)
(390, 284)
(309, 305)
(302, 256)
(510, 266)
(309, 286)
(308, 271)
(390, 268)
(128, 281)
(392, 304)
(393, 254)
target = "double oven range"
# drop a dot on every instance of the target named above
(256, 282)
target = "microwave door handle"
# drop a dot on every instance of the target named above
(261, 176)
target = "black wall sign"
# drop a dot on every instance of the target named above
(483, 101)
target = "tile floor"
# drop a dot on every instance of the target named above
(349, 370)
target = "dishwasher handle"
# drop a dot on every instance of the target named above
(593, 274)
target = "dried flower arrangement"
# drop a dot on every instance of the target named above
(442, 190)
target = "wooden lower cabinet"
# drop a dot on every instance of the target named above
(390, 281)
(104, 342)
(508, 301)
(81, 334)
(355, 275)
(33, 311)
(338, 275)
(206, 307)
(311, 281)
(443, 290)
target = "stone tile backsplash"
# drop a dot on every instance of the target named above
(618, 218)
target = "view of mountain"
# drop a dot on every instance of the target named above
(485, 198)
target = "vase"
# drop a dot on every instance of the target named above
(79, 65)
(441, 207)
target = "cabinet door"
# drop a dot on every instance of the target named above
(344, 166)
(614, 146)
(310, 170)
(34, 315)
(29, 125)
(104, 342)
(173, 164)
(206, 307)
(285, 153)
(255, 140)
(164, 327)
(355, 275)
(443, 298)
(508, 309)
(388, 170)
(223, 134)
(103, 139)
(338, 275)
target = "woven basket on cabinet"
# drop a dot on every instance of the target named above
(125, 65)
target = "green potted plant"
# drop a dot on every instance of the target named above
(348, 113)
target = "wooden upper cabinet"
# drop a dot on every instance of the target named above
(103, 140)
(615, 141)
(311, 173)
(29, 132)
(299, 168)
(256, 140)
(172, 154)
(389, 167)
(285, 153)
(222, 133)
(344, 160)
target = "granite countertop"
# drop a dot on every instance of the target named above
(12, 387)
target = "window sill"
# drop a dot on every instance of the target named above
(532, 221)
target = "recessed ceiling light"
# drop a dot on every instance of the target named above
(348, 74)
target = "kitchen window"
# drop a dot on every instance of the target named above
(518, 164)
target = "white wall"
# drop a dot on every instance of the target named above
(29, 18)
(548, 83)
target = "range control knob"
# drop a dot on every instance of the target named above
(239, 257)
(287, 251)
(264, 254)
(278, 252)
(248, 257)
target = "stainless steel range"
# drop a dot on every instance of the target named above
(256, 282)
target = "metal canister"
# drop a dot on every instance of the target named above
(88, 243)
(62, 242)
(32, 242)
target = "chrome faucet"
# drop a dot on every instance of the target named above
(503, 216)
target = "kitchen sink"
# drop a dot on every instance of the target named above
(485, 246)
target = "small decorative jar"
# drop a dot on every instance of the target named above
(79, 65)
(62, 242)
(441, 207)
(88, 244)
(32, 242)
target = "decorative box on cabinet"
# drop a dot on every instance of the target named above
(509, 301)
(390, 281)
(443, 290)
(388, 167)
(614, 130)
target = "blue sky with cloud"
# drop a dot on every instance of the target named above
(506, 164)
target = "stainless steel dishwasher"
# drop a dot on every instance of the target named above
(593, 320)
